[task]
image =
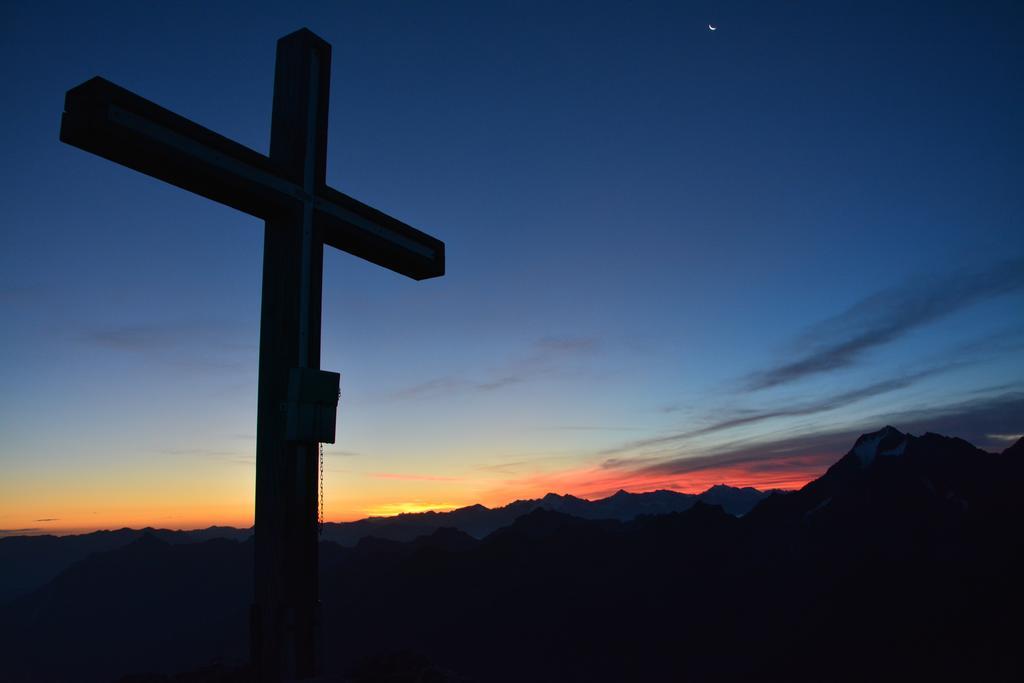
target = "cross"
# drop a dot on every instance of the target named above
(296, 409)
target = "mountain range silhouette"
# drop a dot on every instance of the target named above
(902, 562)
(30, 561)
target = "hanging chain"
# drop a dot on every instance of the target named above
(320, 499)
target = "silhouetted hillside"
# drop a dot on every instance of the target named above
(28, 562)
(148, 605)
(479, 521)
(909, 571)
(901, 563)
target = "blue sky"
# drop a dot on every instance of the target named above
(667, 248)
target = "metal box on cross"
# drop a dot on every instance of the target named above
(312, 406)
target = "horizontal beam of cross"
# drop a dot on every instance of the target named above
(107, 120)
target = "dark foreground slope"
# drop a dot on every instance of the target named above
(901, 563)
(28, 562)
(148, 606)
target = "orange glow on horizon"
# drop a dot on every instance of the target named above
(786, 473)
(393, 509)
(439, 494)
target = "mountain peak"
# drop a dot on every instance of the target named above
(734, 500)
(886, 441)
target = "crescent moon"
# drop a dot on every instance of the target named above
(713, 28)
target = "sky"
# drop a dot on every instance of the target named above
(676, 257)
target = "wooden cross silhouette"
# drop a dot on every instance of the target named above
(289, 191)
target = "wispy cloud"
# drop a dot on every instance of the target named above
(745, 417)
(529, 463)
(130, 337)
(567, 344)
(411, 477)
(544, 358)
(510, 467)
(998, 412)
(232, 457)
(886, 316)
(825, 404)
(779, 460)
(972, 420)
(499, 382)
(1005, 437)
(189, 345)
(48, 519)
(150, 336)
(587, 428)
(438, 386)
(194, 451)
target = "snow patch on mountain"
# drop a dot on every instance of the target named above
(868, 446)
(899, 450)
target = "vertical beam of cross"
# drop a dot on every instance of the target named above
(285, 627)
(288, 190)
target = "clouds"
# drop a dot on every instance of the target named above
(545, 357)
(781, 459)
(792, 452)
(820, 405)
(884, 317)
(746, 417)
(131, 337)
(434, 387)
(981, 419)
(206, 347)
(412, 477)
(567, 344)
(973, 420)
(1007, 438)
(150, 337)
